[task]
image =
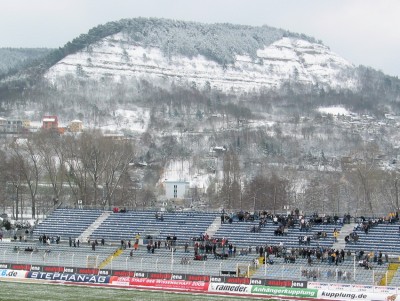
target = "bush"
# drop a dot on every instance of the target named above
(7, 224)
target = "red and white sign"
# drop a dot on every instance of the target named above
(161, 283)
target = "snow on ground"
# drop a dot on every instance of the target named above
(182, 170)
(335, 110)
(177, 170)
(115, 57)
(135, 120)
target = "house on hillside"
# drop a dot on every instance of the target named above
(176, 189)
(217, 150)
(26, 124)
(50, 123)
(76, 126)
(14, 126)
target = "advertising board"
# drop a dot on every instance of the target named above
(169, 284)
(241, 289)
(68, 277)
(284, 291)
(6, 273)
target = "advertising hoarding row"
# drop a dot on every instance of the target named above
(204, 284)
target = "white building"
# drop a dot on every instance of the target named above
(176, 189)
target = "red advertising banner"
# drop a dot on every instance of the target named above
(237, 280)
(123, 273)
(53, 269)
(25, 267)
(161, 283)
(88, 271)
(198, 278)
(160, 275)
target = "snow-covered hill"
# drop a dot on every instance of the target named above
(118, 58)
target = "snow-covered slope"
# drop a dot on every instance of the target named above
(288, 59)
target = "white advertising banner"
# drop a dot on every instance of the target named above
(229, 288)
(356, 296)
(352, 287)
(6, 273)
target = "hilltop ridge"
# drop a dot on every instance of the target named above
(223, 56)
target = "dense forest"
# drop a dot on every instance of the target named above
(14, 59)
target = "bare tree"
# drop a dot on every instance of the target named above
(3, 180)
(76, 175)
(267, 193)
(12, 177)
(367, 170)
(120, 154)
(94, 159)
(28, 163)
(52, 154)
(230, 190)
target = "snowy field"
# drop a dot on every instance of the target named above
(11, 291)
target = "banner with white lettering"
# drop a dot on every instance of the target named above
(284, 291)
(69, 277)
(164, 283)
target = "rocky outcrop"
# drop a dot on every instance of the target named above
(117, 58)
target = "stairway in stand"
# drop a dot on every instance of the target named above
(346, 230)
(213, 228)
(84, 236)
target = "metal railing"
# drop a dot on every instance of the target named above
(173, 262)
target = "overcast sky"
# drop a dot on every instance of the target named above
(364, 32)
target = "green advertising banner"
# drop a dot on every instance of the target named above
(284, 291)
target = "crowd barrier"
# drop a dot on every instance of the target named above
(220, 285)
